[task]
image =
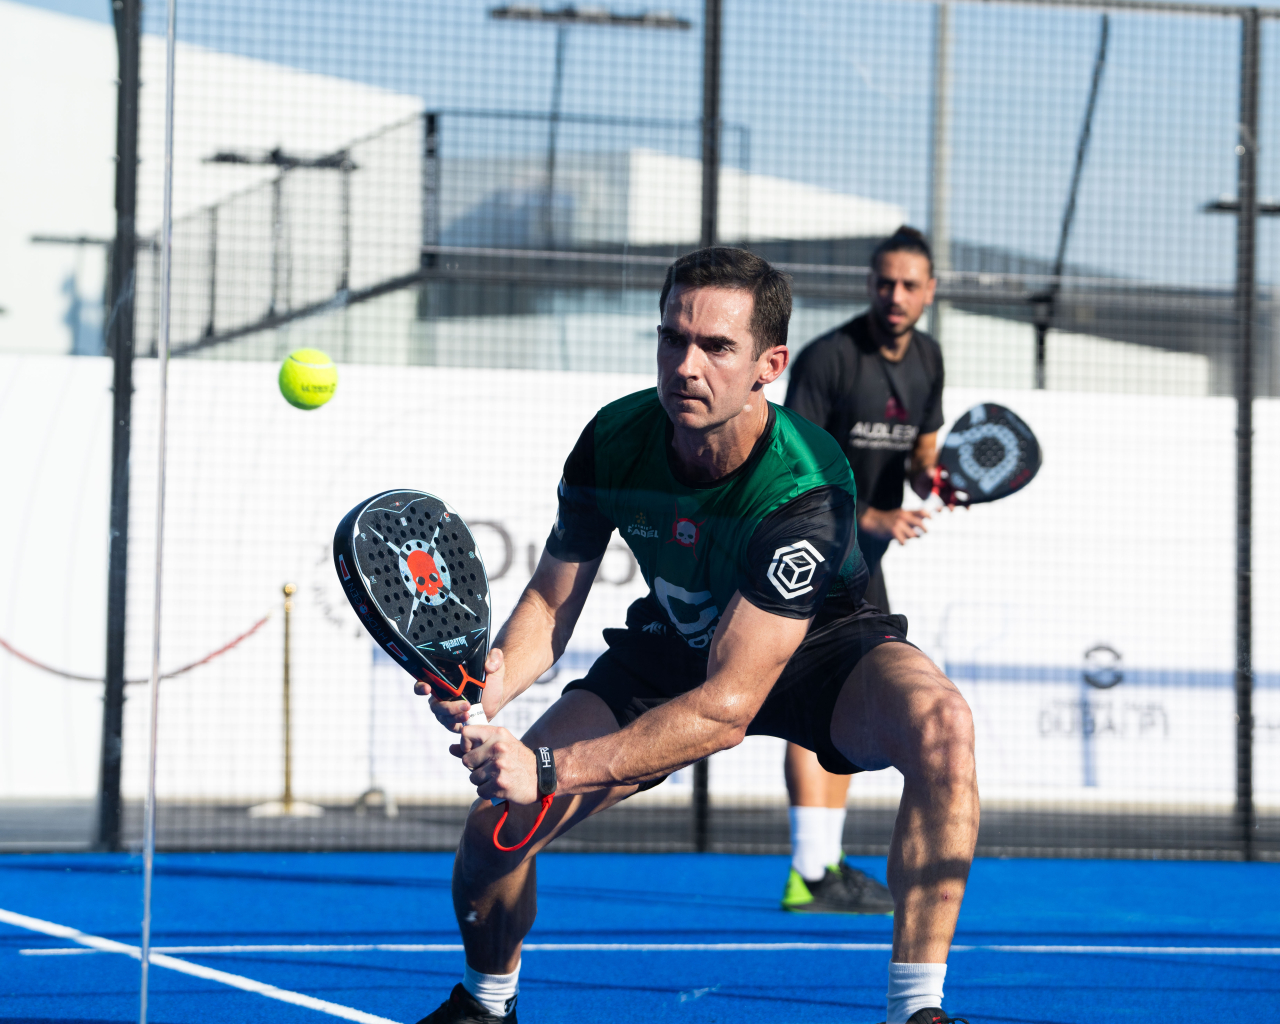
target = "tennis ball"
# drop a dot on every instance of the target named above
(308, 378)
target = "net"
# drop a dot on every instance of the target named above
(471, 209)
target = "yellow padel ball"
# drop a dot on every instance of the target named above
(308, 378)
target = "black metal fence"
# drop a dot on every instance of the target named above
(471, 208)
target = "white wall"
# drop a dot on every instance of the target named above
(1124, 538)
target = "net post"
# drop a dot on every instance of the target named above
(1246, 232)
(120, 340)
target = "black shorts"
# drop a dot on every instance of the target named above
(641, 671)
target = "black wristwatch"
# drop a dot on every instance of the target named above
(546, 771)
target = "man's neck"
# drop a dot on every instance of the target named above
(892, 346)
(708, 455)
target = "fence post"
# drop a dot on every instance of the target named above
(711, 38)
(430, 211)
(710, 121)
(1246, 230)
(119, 338)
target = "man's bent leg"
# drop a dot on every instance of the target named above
(897, 708)
(495, 893)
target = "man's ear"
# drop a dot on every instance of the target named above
(772, 363)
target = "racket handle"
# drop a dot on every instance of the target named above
(476, 716)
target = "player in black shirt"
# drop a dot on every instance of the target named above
(875, 385)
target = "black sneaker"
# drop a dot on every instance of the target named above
(841, 890)
(461, 1008)
(868, 892)
(934, 1016)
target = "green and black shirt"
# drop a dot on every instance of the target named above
(781, 528)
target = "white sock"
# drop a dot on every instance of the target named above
(913, 987)
(835, 834)
(495, 992)
(812, 840)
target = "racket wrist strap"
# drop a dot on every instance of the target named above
(546, 805)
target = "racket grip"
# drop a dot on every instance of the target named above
(476, 716)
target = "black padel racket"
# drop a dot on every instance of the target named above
(988, 454)
(411, 570)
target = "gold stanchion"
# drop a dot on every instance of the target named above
(287, 807)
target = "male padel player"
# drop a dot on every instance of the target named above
(875, 385)
(741, 516)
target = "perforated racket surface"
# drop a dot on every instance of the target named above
(988, 454)
(411, 570)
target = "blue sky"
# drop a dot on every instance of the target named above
(838, 94)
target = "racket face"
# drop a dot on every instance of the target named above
(411, 570)
(990, 453)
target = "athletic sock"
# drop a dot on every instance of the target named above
(913, 987)
(495, 992)
(810, 853)
(835, 834)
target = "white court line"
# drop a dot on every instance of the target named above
(100, 944)
(663, 947)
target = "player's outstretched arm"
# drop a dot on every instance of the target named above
(750, 650)
(532, 639)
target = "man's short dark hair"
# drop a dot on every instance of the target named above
(905, 239)
(722, 267)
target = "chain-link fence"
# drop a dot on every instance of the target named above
(471, 208)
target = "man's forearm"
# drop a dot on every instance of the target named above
(530, 643)
(684, 730)
(925, 455)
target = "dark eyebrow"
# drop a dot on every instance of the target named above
(717, 339)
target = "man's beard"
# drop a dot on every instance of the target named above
(894, 332)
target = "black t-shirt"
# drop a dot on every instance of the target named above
(876, 409)
(819, 520)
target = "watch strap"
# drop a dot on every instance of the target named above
(546, 771)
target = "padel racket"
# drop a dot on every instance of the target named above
(411, 570)
(988, 454)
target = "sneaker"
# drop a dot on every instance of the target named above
(870, 892)
(461, 1008)
(934, 1016)
(841, 890)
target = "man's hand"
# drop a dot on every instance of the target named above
(502, 768)
(452, 714)
(898, 524)
(922, 482)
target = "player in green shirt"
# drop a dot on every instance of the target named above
(741, 517)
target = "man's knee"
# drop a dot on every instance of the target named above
(941, 747)
(477, 850)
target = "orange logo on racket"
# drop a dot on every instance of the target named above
(426, 577)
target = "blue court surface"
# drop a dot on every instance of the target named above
(623, 937)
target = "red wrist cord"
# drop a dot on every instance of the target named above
(546, 804)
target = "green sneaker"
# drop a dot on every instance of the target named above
(841, 890)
